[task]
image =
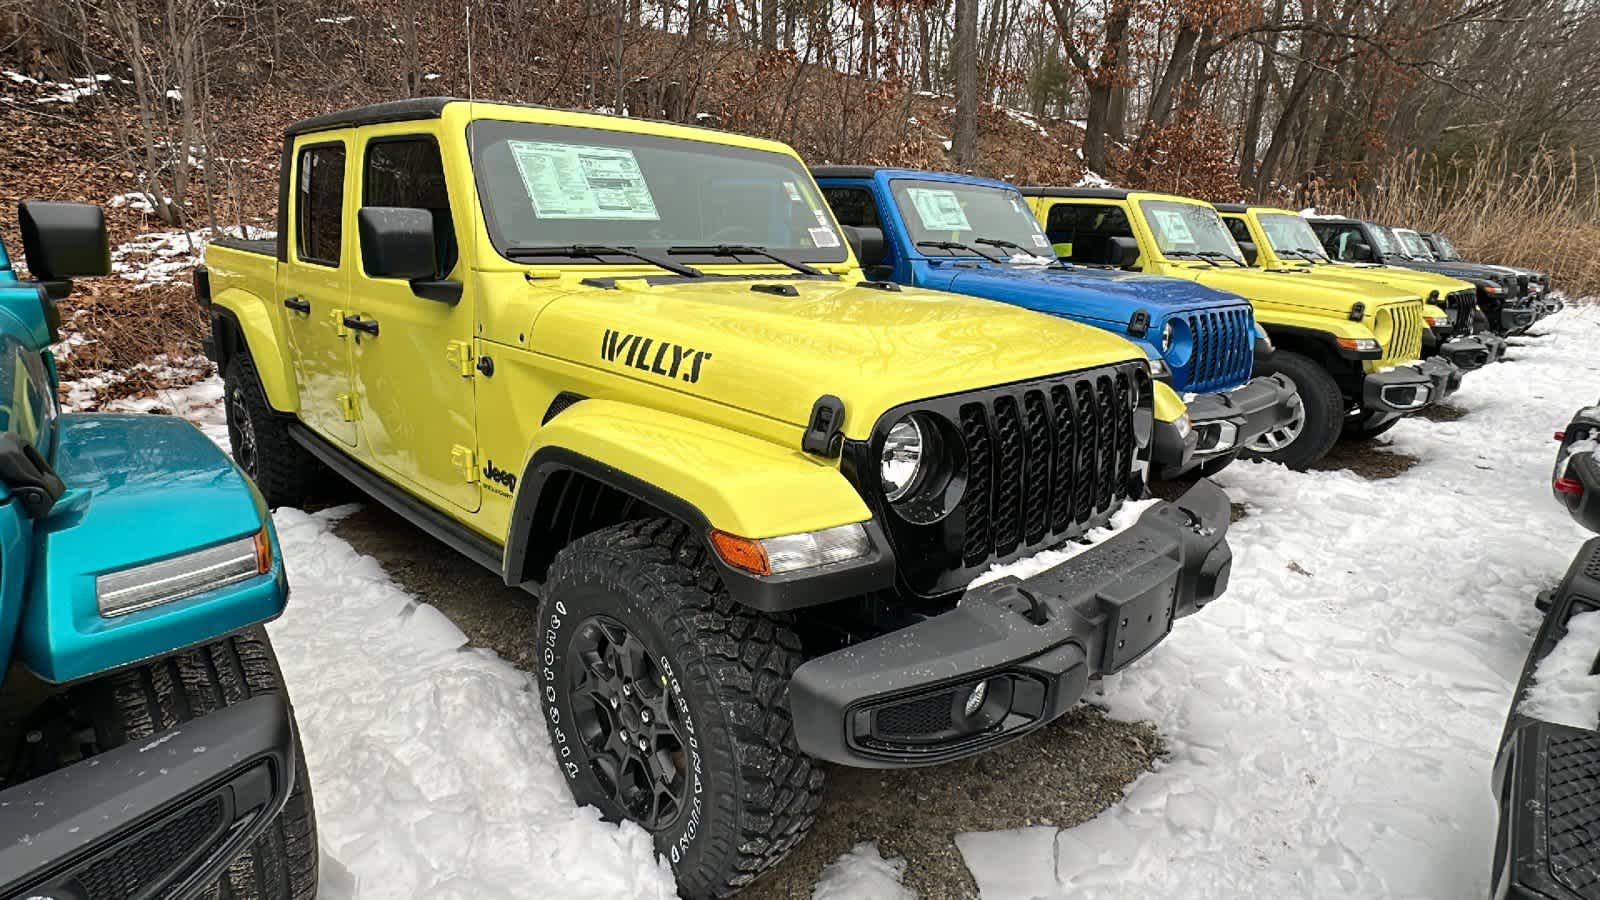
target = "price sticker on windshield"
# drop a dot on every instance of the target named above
(1172, 225)
(823, 237)
(939, 210)
(574, 181)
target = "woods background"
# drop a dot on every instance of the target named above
(1480, 118)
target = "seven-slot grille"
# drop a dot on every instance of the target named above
(1463, 303)
(1044, 458)
(1224, 350)
(1405, 339)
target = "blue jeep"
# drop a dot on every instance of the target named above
(977, 236)
(147, 745)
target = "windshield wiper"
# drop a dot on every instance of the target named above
(1055, 261)
(747, 250)
(1310, 256)
(599, 250)
(1190, 254)
(1218, 254)
(952, 246)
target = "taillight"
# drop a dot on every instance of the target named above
(1570, 486)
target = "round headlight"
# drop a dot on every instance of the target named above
(1166, 338)
(902, 458)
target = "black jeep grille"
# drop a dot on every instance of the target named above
(1045, 460)
(1462, 304)
(149, 857)
(1574, 812)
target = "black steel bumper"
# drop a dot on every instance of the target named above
(1014, 654)
(1547, 776)
(1468, 352)
(160, 817)
(1406, 389)
(1225, 422)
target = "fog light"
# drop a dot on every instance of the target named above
(1217, 437)
(976, 698)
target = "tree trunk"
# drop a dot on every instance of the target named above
(964, 142)
(1258, 98)
(1179, 64)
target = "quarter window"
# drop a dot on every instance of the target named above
(319, 204)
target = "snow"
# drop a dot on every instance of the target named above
(138, 201)
(863, 874)
(162, 257)
(1565, 690)
(1333, 719)
(69, 91)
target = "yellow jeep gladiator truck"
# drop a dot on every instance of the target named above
(635, 369)
(1274, 239)
(1351, 349)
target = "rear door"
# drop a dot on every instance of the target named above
(414, 378)
(315, 283)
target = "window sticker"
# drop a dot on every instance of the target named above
(1173, 226)
(823, 237)
(939, 210)
(1040, 240)
(573, 181)
(793, 191)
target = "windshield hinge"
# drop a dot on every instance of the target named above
(348, 407)
(459, 354)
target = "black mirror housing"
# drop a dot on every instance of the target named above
(64, 240)
(868, 244)
(1248, 248)
(1124, 251)
(396, 242)
(1361, 252)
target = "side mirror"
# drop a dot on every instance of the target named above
(399, 242)
(64, 240)
(1248, 248)
(396, 242)
(1124, 252)
(868, 244)
(28, 475)
(1361, 251)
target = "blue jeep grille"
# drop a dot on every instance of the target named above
(1224, 350)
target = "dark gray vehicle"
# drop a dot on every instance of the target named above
(1506, 309)
(1536, 283)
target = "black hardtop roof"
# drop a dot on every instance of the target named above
(1231, 207)
(374, 114)
(846, 171)
(1035, 190)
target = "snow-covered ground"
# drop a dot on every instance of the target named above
(1332, 719)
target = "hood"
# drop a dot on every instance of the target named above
(1303, 288)
(1423, 283)
(758, 351)
(1466, 270)
(1082, 293)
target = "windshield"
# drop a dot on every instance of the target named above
(1290, 234)
(558, 186)
(1447, 250)
(1189, 229)
(989, 220)
(27, 401)
(1415, 247)
(1387, 245)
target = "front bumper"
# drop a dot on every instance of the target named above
(1225, 422)
(1547, 774)
(1032, 644)
(156, 818)
(1468, 352)
(1407, 389)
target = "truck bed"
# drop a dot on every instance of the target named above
(264, 246)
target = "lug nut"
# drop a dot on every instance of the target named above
(627, 689)
(625, 738)
(615, 703)
(643, 745)
(644, 716)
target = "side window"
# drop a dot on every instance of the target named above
(1338, 240)
(408, 172)
(319, 204)
(27, 402)
(852, 206)
(1082, 233)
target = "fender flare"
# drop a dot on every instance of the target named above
(248, 317)
(692, 471)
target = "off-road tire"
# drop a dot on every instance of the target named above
(138, 702)
(280, 467)
(1358, 430)
(1323, 403)
(752, 794)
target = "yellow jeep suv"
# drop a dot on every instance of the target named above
(1352, 349)
(635, 369)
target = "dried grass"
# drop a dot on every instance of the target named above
(1541, 212)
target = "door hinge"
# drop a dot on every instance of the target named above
(340, 329)
(459, 354)
(464, 459)
(349, 408)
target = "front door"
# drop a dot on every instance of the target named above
(316, 283)
(414, 378)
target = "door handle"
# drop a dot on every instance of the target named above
(369, 326)
(297, 304)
